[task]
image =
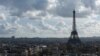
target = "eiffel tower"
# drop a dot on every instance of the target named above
(74, 38)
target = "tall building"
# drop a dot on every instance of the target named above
(74, 38)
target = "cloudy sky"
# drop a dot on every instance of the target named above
(48, 18)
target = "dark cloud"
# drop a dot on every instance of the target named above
(64, 8)
(89, 3)
(24, 5)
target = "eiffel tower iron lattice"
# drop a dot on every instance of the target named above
(74, 38)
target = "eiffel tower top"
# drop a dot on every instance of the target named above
(74, 20)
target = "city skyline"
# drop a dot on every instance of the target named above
(48, 18)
